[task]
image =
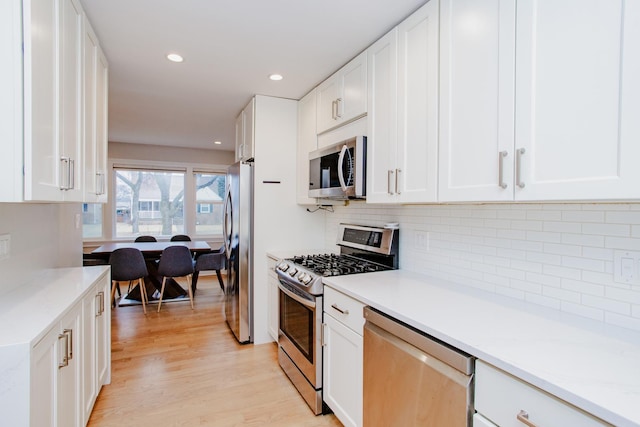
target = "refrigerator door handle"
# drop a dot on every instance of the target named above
(227, 223)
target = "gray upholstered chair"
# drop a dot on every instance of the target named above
(127, 265)
(145, 239)
(180, 238)
(176, 261)
(210, 261)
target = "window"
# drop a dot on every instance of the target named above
(91, 220)
(179, 199)
(210, 192)
(149, 202)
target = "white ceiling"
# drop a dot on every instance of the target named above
(230, 48)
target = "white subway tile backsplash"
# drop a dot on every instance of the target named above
(583, 263)
(553, 255)
(622, 230)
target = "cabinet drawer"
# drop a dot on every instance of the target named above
(500, 397)
(344, 308)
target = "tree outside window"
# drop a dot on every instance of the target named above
(210, 192)
(149, 202)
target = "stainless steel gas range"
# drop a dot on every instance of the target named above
(363, 249)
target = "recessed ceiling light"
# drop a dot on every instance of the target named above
(217, 142)
(174, 57)
(275, 77)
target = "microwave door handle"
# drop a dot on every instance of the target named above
(340, 164)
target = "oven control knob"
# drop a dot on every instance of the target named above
(306, 280)
(283, 266)
(293, 272)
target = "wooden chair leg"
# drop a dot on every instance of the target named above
(114, 284)
(220, 279)
(143, 291)
(190, 290)
(164, 281)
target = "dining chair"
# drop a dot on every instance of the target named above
(180, 238)
(210, 261)
(127, 265)
(145, 239)
(175, 262)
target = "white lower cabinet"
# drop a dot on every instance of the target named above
(342, 356)
(273, 304)
(95, 341)
(53, 370)
(507, 401)
(57, 360)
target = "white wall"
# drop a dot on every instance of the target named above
(161, 153)
(553, 255)
(42, 236)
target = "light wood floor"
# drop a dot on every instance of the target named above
(183, 367)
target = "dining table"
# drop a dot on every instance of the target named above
(152, 251)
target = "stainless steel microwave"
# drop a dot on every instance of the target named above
(339, 171)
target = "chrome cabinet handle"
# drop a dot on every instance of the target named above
(501, 156)
(65, 358)
(339, 310)
(338, 104)
(523, 417)
(100, 298)
(323, 341)
(72, 174)
(64, 173)
(397, 176)
(70, 332)
(389, 173)
(334, 109)
(519, 154)
(68, 354)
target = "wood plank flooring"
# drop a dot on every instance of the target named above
(183, 367)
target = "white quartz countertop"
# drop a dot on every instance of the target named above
(27, 311)
(588, 364)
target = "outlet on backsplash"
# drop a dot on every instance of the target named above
(626, 267)
(422, 240)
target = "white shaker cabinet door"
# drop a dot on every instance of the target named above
(382, 120)
(577, 99)
(42, 166)
(417, 106)
(476, 100)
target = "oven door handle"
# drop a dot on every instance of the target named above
(298, 298)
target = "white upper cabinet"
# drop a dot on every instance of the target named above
(245, 134)
(402, 144)
(532, 111)
(43, 110)
(343, 96)
(577, 99)
(476, 99)
(307, 142)
(95, 106)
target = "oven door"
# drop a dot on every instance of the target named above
(299, 331)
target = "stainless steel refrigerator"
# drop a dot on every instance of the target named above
(238, 234)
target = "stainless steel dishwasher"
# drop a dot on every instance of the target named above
(412, 379)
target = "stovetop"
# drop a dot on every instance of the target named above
(362, 250)
(336, 265)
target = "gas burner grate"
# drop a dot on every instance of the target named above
(336, 265)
